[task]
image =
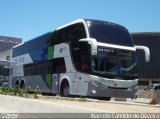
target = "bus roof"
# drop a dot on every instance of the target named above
(88, 21)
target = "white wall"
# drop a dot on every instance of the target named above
(4, 54)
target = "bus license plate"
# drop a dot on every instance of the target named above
(117, 93)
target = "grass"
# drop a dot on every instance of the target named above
(82, 99)
(25, 93)
(36, 92)
(16, 91)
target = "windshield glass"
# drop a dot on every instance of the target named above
(111, 62)
(106, 32)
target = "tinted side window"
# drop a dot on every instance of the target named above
(59, 66)
(79, 50)
(81, 56)
(49, 67)
(31, 46)
(70, 33)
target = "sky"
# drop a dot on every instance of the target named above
(28, 19)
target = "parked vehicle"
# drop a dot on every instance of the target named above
(5, 85)
(152, 87)
(144, 91)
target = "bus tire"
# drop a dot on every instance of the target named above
(17, 85)
(65, 89)
(22, 85)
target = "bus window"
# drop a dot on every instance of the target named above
(85, 62)
(71, 33)
(80, 56)
(59, 66)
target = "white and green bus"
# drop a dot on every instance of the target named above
(86, 57)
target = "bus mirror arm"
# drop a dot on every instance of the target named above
(146, 50)
(93, 44)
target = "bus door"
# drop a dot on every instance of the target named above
(55, 83)
(82, 84)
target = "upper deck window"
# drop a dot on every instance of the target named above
(109, 33)
(71, 33)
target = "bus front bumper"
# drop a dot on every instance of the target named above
(100, 91)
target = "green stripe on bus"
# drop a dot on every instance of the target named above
(50, 53)
(49, 80)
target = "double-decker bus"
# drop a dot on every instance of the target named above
(86, 57)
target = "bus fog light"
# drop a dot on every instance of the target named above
(93, 91)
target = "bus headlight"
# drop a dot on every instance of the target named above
(98, 84)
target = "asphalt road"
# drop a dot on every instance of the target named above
(53, 105)
(22, 105)
(6, 110)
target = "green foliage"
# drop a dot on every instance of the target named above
(26, 91)
(4, 91)
(36, 92)
(16, 91)
(21, 92)
(82, 99)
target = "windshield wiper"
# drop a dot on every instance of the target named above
(106, 73)
(129, 68)
(109, 73)
(129, 75)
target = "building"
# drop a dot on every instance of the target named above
(6, 55)
(6, 44)
(148, 72)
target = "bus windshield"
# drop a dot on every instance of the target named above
(113, 63)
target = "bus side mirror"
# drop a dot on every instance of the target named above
(146, 50)
(93, 44)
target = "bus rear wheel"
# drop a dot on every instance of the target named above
(65, 90)
(22, 85)
(17, 85)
